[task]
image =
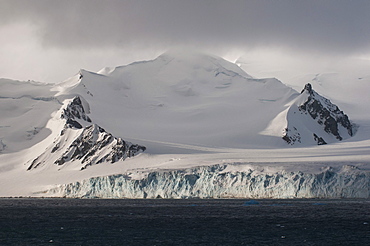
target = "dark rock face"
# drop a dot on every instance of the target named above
(75, 110)
(319, 140)
(308, 88)
(73, 124)
(92, 146)
(326, 113)
(2, 145)
(291, 136)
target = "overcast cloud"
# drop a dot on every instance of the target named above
(88, 33)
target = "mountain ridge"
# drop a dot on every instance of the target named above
(191, 112)
(335, 125)
(192, 89)
(80, 140)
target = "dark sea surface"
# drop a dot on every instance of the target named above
(184, 222)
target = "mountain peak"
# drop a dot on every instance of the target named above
(184, 53)
(318, 109)
(195, 59)
(188, 57)
(308, 88)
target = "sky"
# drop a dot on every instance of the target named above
(49, 41)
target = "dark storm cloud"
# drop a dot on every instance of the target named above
(323, 26)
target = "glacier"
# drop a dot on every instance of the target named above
(218, 181)
(198, 116)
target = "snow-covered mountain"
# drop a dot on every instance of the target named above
(194, 106)
(79, 140)
(313, 118)
(191, 98)
(344, 80)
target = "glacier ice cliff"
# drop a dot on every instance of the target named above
(217, 182)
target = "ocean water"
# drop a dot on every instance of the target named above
(184, 222)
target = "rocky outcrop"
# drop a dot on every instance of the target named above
(291, 135)
(94, 145)
(325, 113)
(75, 111)
(83, 142)
(319, 140)
(311, 110)
(2, 145)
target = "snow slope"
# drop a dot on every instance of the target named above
(189, 110)
(82, 141)
(312, 119)
(345, 81)
(192, 99)
(25, 109)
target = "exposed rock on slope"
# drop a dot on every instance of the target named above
(94, 145)
(86, 143)
(334, 124)
(2, 145)
(189, 99)
(326, 113)
(75, 110)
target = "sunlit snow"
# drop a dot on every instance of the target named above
(191, 111)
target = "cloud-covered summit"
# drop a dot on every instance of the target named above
(51, 40)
